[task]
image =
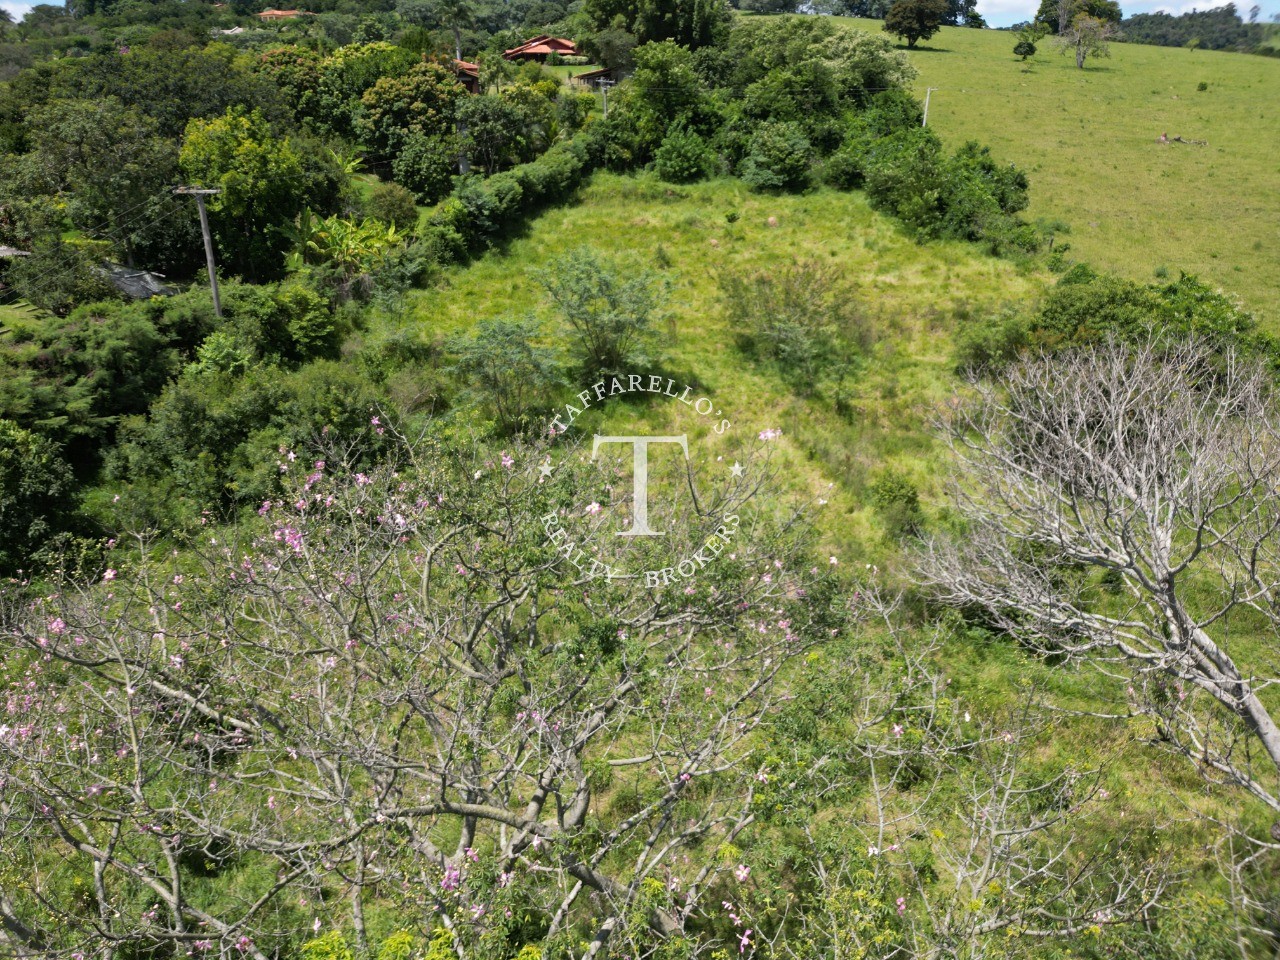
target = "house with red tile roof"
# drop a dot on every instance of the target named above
(541, 47)
(281, 14)
(468, 75)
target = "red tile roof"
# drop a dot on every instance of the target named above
(541, 46)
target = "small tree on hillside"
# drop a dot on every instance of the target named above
(1088, 37)
(915, 20)
(1028, 37)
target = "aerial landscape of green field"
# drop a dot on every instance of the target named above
(446, 517)
(1089, 141)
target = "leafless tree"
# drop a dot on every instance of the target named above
(957, 843)
(1120, 509)
(1086, 37)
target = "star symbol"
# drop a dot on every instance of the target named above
(545, 469)
(737, 469)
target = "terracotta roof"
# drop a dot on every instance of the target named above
(280, 14)
(542, 45)
(471, 69)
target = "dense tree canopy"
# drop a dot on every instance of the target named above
(915, 20)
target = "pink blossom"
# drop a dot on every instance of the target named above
(362, 480)
(742, 872)
(745, 941)
(770, 434)
(902, 905)
(593, 508)
(897, 730)
(57, 626)
(108, 576)
(452, 878)
(507, 461)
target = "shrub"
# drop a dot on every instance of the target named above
(391, 203)
(682, 157)
(332, 946)
(802, 317)
(425, 165)
(213, 439)
(1024, 49)
(506, 371)
(897, 501)
(1086, 306)
(35, 483)
(984, 347)
(614, 310)
(779, 156)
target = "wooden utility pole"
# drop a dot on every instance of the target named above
(200, 193)
(924, 121)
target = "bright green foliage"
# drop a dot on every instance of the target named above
(332, 946)
(663, 93)
(967, 196)
(683, 157)
(391, 203)
(779, 157)
(398, 946)
(614, 310)
(348, 73)
(504, 369)
(264, 187)
(35, 483)
(497, 131)
(1087, 306)
(426, 165)
(915, 20)
(419, 103)
(1024, 49)
(353, 247)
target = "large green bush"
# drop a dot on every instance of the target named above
(779, 157)
(682, 157)
(35, 486)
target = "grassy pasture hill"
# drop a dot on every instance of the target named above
(1088, 141)
(848, 444)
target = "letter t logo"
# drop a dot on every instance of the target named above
(640, 480)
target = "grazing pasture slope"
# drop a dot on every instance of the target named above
(1088, 140)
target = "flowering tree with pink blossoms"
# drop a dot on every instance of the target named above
(392, 687)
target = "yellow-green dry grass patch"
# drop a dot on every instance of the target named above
(1088, 141)
(910, 293)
